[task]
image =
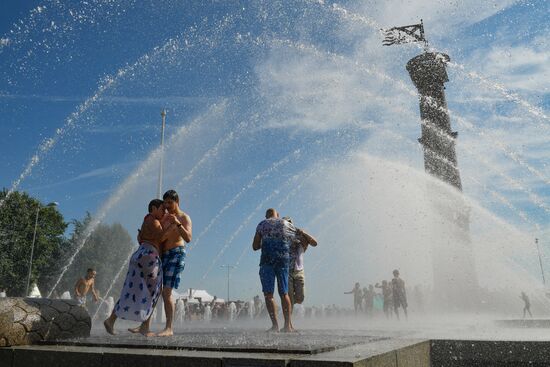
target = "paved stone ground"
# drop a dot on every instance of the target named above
(413, 343)
(251, 341)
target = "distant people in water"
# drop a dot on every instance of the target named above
(274, 236)
(296, 277)
(368, 297)
(357, 298)
(85, 285)
(143, 284)
(258, 306)
(526, 304)
(399, 294)
(387, 297)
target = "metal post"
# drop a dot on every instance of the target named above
(161, 169)
(32, 251)
(32, 245)
(540, 261)
(228, 268)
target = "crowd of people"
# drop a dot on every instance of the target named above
(155, 270)
(392, 297)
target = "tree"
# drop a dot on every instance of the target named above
(105, 250)
(17, 222)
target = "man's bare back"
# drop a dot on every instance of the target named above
(152, 232)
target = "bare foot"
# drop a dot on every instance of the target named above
(274, 329)
(289, 329)
(166, 332)
(142, 331)
(147, 333)
(109, 326)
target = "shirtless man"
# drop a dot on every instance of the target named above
(143, 284)
(173, 256)
(84, 285)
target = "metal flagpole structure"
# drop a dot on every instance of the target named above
(52, 204)
(540, 261)
(229, 267)
(159, 191)
(161, 169)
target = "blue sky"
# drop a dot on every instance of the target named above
(264, 99)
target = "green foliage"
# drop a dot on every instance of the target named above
(105, 250)
(17, 223)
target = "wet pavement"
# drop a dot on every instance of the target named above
(252, 341)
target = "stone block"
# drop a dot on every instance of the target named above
(30, 320)
(16, 333)
(65, 321)
(381, 360)
(6, 357)
(61, 307)
(462, 353)
(51, 331)
(18, 313)
(6, 321)
(131, 360)
(254, 362)
(48, 313)
(174, 361)
(58, 358)
(417, 355)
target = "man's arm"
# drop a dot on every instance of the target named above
(77, 286)
(309, 238)
(94, 292)
(163, 233)
(257, 243)
(185, 229)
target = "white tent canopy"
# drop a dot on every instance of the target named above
(192, 296)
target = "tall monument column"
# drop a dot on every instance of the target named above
(454, 271)
(455, 276)
(428, 74)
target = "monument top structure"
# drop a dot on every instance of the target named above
(427, 70)
(405, 34)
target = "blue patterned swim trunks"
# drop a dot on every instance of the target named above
(173, 263)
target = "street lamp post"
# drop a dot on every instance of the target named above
(161, 169)
(540, 261)
(229, 267)
(159, 184)
(52, 204)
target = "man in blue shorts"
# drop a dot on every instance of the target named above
(274, 237)
(173, 254)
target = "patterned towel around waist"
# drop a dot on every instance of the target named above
(142, 286)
